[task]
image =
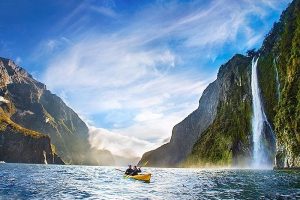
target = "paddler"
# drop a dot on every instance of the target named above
(136, 171)
(129, 170)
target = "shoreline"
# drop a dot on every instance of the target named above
(286, 168)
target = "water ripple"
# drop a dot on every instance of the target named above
(21, 181)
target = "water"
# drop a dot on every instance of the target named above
(21, 181)
(260, 126)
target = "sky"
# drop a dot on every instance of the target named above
(131, 69)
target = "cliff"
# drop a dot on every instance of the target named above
(224, 138)
(18, 144)
(229, 89)
(227, 141)
(279, 70)
(186, 133)
(28, 104)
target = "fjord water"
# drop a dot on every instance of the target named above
(23, 181)
(259, 120)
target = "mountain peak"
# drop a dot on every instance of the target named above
(10, 72)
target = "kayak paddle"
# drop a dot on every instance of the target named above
(144, 165)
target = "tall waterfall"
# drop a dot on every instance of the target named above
(263, 136)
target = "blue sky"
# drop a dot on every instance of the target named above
(131, 69)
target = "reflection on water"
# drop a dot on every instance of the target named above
(20, 181)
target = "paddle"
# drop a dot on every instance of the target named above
(119, 170)
(125, 176)
(144, 165)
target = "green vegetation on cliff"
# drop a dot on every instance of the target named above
(29, 109)
(280, 51)
(267, 82)
(227, 139)
(6, 121)
(19, 144)
(287, 119)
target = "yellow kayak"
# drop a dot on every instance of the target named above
(140, 177)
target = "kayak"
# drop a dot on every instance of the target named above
(140, 177)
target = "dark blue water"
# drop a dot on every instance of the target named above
(21, 181)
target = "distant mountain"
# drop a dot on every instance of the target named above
(31, 115)
(219, 132)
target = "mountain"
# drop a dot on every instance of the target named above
(31, 115)
(219, 132)
(232, 78)
(188, 131)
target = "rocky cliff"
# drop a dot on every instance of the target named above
(227, 140)
(186, 133)
(28, 104)
(18, 144)
(233, 77)
(220, 133)
(279, 70)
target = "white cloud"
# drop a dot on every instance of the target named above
(142, 68)
(155, 130)
(51, 44)
(274, 4)
(18, 60)
(253, 40)
(118, 144)
(104, 11)
(147, 115)
(49, 47)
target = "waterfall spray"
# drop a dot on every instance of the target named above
(260, 125)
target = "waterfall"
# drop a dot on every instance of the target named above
(45, 157)
(263, 136)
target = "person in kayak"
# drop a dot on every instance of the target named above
(136, 171)
(129, 170)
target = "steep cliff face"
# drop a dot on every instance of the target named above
(226, 137)
(203, 130)
(18, 144)
(29, 104)
(186, 133)
(279, 69)
(227, 140)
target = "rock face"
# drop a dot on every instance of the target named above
(280, 83)
(28, 103)
(186, 133)
(232, 76)
(15, 147)
(227, 140)
(219, 132)
(18, 144)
